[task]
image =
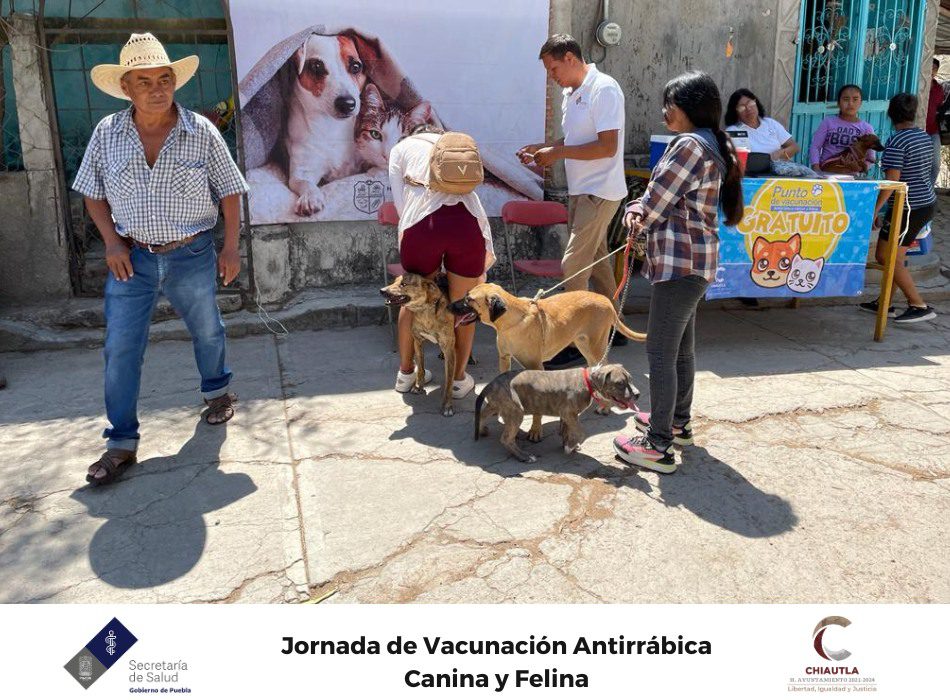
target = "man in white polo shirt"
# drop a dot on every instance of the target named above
(592, 148)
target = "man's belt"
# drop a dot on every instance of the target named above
(166, 247)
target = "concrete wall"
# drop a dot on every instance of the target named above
(34, 260)
(289, 259)
(662, 38)
(658, 44)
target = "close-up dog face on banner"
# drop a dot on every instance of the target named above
(329, 68)
(327, 90)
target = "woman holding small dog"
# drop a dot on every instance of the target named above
(436, 230)
(678, 216)
(835, 134)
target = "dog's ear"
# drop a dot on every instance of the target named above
(372, 100)
(300, 56)
(433, 293)
(496, 307)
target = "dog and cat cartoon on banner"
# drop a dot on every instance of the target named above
(797, 238)
(327, 89)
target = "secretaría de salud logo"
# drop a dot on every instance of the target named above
(102, 651)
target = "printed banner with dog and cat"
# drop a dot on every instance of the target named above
(327, 88)
(797, 238)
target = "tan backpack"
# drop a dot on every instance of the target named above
(455, 167)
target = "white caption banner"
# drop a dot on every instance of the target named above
(757, 651)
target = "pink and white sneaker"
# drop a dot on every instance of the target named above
(682, 434)
(640, 452)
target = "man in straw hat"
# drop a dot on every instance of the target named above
(153, 177)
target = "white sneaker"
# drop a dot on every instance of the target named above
(463, 387)
(405, 381)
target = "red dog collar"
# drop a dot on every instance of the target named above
(590, 389)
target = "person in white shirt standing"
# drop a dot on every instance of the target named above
(436, 231)
(592, 119)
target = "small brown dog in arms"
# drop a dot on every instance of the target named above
(432, 320)
(853, 161)
(565, 393)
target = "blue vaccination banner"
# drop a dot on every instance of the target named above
(798, 238)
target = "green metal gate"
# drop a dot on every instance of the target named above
(79, 34)
(876, 44)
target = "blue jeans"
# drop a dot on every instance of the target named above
(187, 277)
(671, 352)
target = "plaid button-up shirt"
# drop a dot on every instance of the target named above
(175, 198)
(680, 214)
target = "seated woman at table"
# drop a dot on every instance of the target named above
(835, 134)
(744, 112)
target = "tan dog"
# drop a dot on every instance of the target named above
(432, 321)
(534, 332)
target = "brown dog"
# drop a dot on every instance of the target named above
(534, 332)
(853, 160)
(564, 393)
(432, 321)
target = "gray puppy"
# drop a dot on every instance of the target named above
(563, 393)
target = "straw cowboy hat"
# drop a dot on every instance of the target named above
(142, 51)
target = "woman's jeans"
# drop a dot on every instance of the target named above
(187, 277)
(670, 350)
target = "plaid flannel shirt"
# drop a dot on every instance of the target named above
(680, 214)
(175, 198)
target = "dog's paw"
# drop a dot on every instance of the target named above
(570, 449)
(310, 203)
(534, 436)
(603, 410)
(416, 389)
(529, 458)
(448, 411)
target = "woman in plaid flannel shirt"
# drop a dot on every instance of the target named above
(678, 216)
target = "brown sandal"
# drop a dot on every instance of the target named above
(220, 409)
(114, 462)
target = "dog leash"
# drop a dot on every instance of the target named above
(623, 300)
(544, 292)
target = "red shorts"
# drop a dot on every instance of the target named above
(449, 236)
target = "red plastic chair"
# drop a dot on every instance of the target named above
(529, 213)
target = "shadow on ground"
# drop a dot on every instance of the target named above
(703, 484)
(155, 529)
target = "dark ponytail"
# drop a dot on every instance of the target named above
(698, 96)
(730, 194)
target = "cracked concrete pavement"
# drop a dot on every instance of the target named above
(820, 474)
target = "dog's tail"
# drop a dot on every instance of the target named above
(632, 334)
(478, 411)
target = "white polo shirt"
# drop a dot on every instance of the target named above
(597, 105)
(768, 138)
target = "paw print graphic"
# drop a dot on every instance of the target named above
(816, 190)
